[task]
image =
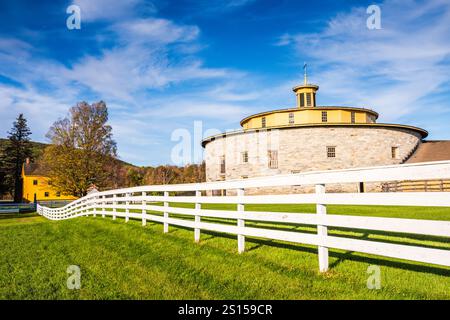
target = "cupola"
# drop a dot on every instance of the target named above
(306, 92)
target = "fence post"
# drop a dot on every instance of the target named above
(322, 231)
(197, 217)
(144, 212)
(103, 207)
(127, 208)
(240, 223)
(95, 206)
(114, 206)
(166, 214)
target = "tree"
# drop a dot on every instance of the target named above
(83, 151)
(17, 149)
(4, 187)
(135, 176)
(172, 174)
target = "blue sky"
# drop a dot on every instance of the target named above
(163, 65)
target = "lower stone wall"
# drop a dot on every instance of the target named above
(332, 188)
(305, 149)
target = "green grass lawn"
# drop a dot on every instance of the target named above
(121, 260)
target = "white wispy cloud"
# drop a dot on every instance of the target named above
(391, 69)
(214, 7)
(151, 30)
(103, 10)
(134, 75)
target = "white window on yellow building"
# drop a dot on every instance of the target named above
(302, 99)
(291, 118)
(308, 100)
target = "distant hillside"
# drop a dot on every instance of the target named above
(128, 175)
(38, 149)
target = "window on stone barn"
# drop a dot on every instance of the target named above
(273, 159)
(331, 152)
(394, 152)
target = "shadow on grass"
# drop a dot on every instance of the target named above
(341, 257)
(257, 243)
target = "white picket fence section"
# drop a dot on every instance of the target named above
(136, 202)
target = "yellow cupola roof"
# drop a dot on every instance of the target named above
(306, 92)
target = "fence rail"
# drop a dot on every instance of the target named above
(144, 203)
(17, 207)
(415, 186)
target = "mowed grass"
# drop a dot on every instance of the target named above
(121, 260)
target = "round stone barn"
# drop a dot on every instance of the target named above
(309, 138)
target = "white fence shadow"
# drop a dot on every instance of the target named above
(142, 203)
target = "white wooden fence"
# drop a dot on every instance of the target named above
(135, 203)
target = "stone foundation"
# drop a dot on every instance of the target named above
(305, 149)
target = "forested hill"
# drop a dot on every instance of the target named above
(128, 175)
(38, 147)
(38, 150)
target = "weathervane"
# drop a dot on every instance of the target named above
(305, 75)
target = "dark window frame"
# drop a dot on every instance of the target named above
(244, 156)
(394, 152)
(222, 165)
(302, 100)
(272, 156)
(291, 118)
(331, 152)
(308, 99)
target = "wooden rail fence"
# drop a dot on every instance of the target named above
(143, 203)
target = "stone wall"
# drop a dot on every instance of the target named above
(305, 149)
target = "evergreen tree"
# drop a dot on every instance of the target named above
(17, 149)
(4, 188)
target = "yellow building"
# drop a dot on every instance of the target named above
(38, 187)
(307, 112)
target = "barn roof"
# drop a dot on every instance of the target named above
(34, 169)
(433, 150)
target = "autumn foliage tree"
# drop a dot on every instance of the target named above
(82, 151)
(166, 174)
